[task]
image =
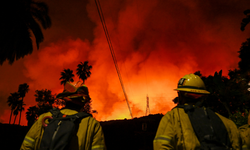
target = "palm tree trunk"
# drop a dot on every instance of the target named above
(21, 106)
(20, 117)
(10, 116)
(14, 119)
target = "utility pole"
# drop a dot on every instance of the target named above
(147, 108)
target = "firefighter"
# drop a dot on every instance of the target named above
(90, 135)
(179, 129)
(245, 135)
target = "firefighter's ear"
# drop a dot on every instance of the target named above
(176, 100)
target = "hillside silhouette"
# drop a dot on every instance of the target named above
(132, 134)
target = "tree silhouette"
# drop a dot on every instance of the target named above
(20, 19)
(44, 100)
(20, 108)
(227, 95)
(32, 115)
(15, 114)
(83, 70)
(244, 54)
(13, 102)
(22, 90)
(67, 76)
(198, 73)
(246, 20)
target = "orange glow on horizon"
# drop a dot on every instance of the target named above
(155, 43)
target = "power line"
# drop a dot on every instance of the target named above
(112, 51)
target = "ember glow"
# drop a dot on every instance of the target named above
(155, 43)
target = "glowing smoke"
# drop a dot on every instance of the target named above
(155, 42)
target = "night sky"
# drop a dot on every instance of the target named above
(155, 42)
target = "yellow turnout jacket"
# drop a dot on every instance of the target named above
(90, 134)
(245, 136)
(175, 132)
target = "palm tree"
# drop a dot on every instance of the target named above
(67, 75)
(31, 115)
(21, 20)
(20, 108)
(83, 70)
(13, 102)
(44, 100)
(22, 90)
(15, 114)
(246, 20)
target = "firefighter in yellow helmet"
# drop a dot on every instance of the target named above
(245, 135)
(190, 126)
(89, 134)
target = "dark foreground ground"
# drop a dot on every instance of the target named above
(132, 134)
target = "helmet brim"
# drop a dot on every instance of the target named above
(76, 95)
(193, 90)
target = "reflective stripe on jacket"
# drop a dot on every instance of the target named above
(90, 134)
(245, 136)
(175, 132)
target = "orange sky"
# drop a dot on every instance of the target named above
(155, 42)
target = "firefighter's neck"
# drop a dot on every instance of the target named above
(73, 106)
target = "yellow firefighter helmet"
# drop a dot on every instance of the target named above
(192, 83)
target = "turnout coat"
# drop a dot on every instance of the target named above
(245, 136)
(175, 132)
(90, 134)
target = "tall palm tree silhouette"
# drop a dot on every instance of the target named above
(83, 71)
(67, 75)
(20, 23)
(15, 114)
(13, 102)
(20, 108)
(22, 90)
